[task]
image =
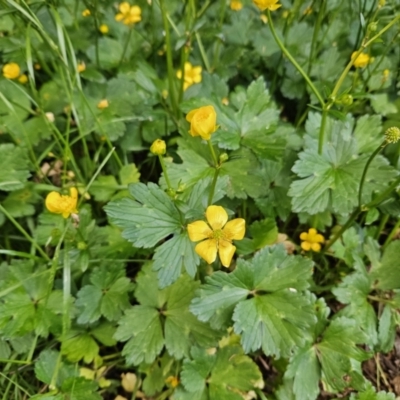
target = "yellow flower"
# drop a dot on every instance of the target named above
(62, 204)
(311, 240)
(128, 14)
(158, 147)
(202, 122)
(23, 79)
(361, 61)
(86, 13)
(173, 381)
(102, 104)
(219, 237)
(81, 67)
(103, 28)
(267, 4)
(236, 5)
(11, 71)
(192, 75)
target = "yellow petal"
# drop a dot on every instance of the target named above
(274, 7)
(65, 214)
(198, 230)
(312, 232)
(316, 247)
(124, 7)
(119, 17)
(235, 229)
(190, 115)
(187, 67)
(319, 238)
(216, 217)
(226, 251)
(207, 250)
(304, 236)
(52, 202)
(306, 246)
(179, 74)
(204, 122)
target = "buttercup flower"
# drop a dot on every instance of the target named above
(202, 122)
(128, 14)
(62, 204)
(158, 147)
(103, 28)
(23, 79)
(192, 75)
(361, 61)
(86, 13)
(217, 235)
(102, 104)
(11, 71)
(271, 5)
(173, 381)
(311, 240)
(236, 5)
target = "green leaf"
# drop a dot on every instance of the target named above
(174, 256)
(79, 345)
(278, 315)
(80, 389)
(371, 394)
(328, 179)
(162, 318)
(109, 51)
(387, 273)
(129, 174)
(148, 219)
(387, 329)
(336, 351)
(107, 295)
(222, 374)
(367, 133)
(264, 232)
(103, 188)
(13, 167)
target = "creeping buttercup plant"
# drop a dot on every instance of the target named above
(199, 200)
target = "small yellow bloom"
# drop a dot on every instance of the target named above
(173, 381)
(63, 204)
(158, 147)
(236, 5)
(23, 78)
(81, 67)
(219, 237)
(102, 104)
(381, 3)
(37, 66)
(271, 5)
(128, 14)
(11, 71)
(361, 61)
(385, 75)
(192, 75)
(311, 240)
(202, 122)
(86, 13)
(103, 28)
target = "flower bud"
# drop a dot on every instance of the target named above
(158, 147)
(223, 157)
(372, 27)
(202, 122)
(392, 135)
(345, 100)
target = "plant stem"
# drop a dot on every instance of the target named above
(364, 174)
(391, 235)
(212, 151)
(24, 233)
(128, 39)
(321, 135)
(170, 66)
(213, 185)
(164, 168)
(293, 61)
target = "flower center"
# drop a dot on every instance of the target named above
(217, 234)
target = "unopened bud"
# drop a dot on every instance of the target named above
(372, 27)
(82, 246)
(345, 100)
(223, 157)
(392, 135)
(158, 147)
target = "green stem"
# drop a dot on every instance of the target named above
(383, 195)
(170, 66)
(293, 61)
(213, 185)
(24, 233)
(164, 168)
(364, 174)
(125, 47)
(391, 235)
(321, 135)
(212, 151)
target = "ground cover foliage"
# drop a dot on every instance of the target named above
(116, 290)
